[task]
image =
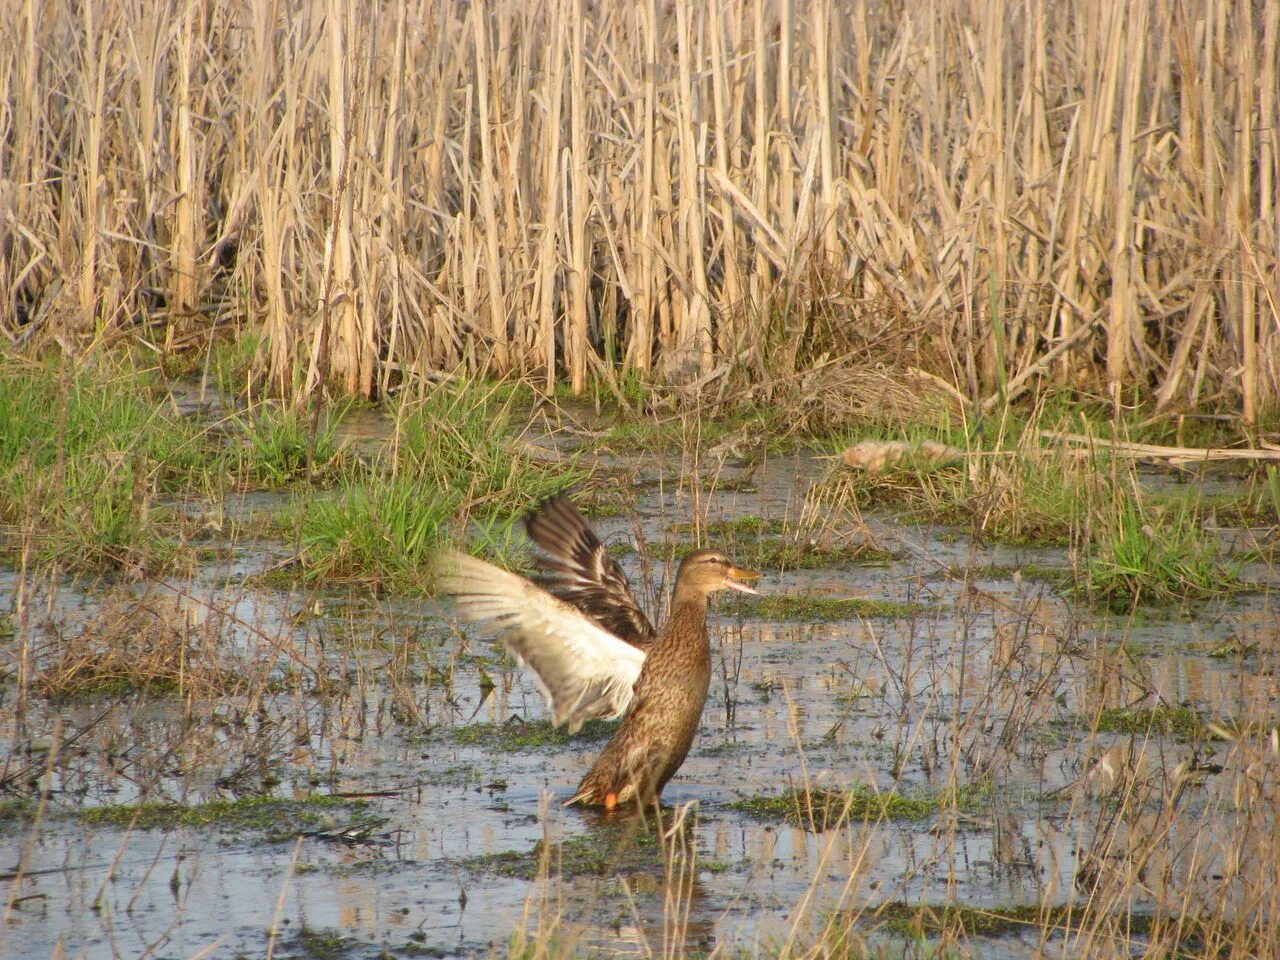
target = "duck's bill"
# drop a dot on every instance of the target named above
(737, 575)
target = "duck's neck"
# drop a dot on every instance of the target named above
(688, 601)
(688, 614)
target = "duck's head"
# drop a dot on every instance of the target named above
(705, 571)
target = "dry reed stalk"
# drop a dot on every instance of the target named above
(1004, 176)
(548, 254)
(485, 90)
(93, 79)
(188, 193)
(579, 257)
(730, 255)
(1121, 330)
(151, 644)
(693, 347)
(783, 199)
(760, 147)
(338, 341)
(826, 40)
(639, 350)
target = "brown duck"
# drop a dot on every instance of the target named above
(594, 653)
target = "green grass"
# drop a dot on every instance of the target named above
(1153, 556)
(775, 553)
(87, 457)
(17, 811)
(815, 609)
(279, 445)
(630, 384)
(753, 430)
(513, 737)
(455, 453)
(309, 943)
(87, 454)
(1179, 935)
(465, 437)
(1180, 721)
(1140, 547)
(380, 531)
(277, 819)
(84, 456)
(231, 362)
(1256, 505)
(822, 809)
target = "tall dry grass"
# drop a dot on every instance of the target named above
(1002, 193)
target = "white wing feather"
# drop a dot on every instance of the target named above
(583, 670)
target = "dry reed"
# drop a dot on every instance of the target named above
(1078, 192)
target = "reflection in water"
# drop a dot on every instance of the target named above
(644, 894)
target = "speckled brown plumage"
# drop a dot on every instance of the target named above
(595, 654)
(666, 707)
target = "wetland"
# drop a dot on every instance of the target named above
(236, 722)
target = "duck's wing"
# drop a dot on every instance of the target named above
(577, 569)
(582, 669)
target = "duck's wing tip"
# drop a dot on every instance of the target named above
(579, 571)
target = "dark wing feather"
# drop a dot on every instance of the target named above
(577, 569)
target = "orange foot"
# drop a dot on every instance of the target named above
(610, 801)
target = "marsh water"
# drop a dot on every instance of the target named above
(984, 683)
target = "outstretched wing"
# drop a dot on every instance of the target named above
(577, 569)
(583, 670)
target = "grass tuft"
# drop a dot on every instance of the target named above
(515, 735)
(279, 444)
(276, 818)
(457, 453)
(821, 809)
(814, 609)
(83, 457)
(1180, 721)
(1154, 556)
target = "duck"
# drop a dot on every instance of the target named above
(593, 652)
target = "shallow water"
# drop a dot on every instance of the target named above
(987, 684)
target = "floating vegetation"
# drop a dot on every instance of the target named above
(572, 857)
(813, 609)
(821, 808)
(776, 553)
(733, 529)
(277, 819)
(915, 920)
(528, 735)
(1182, 722)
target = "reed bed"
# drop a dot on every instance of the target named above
(1002, 194)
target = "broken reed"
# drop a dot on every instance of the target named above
(1084, 191)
